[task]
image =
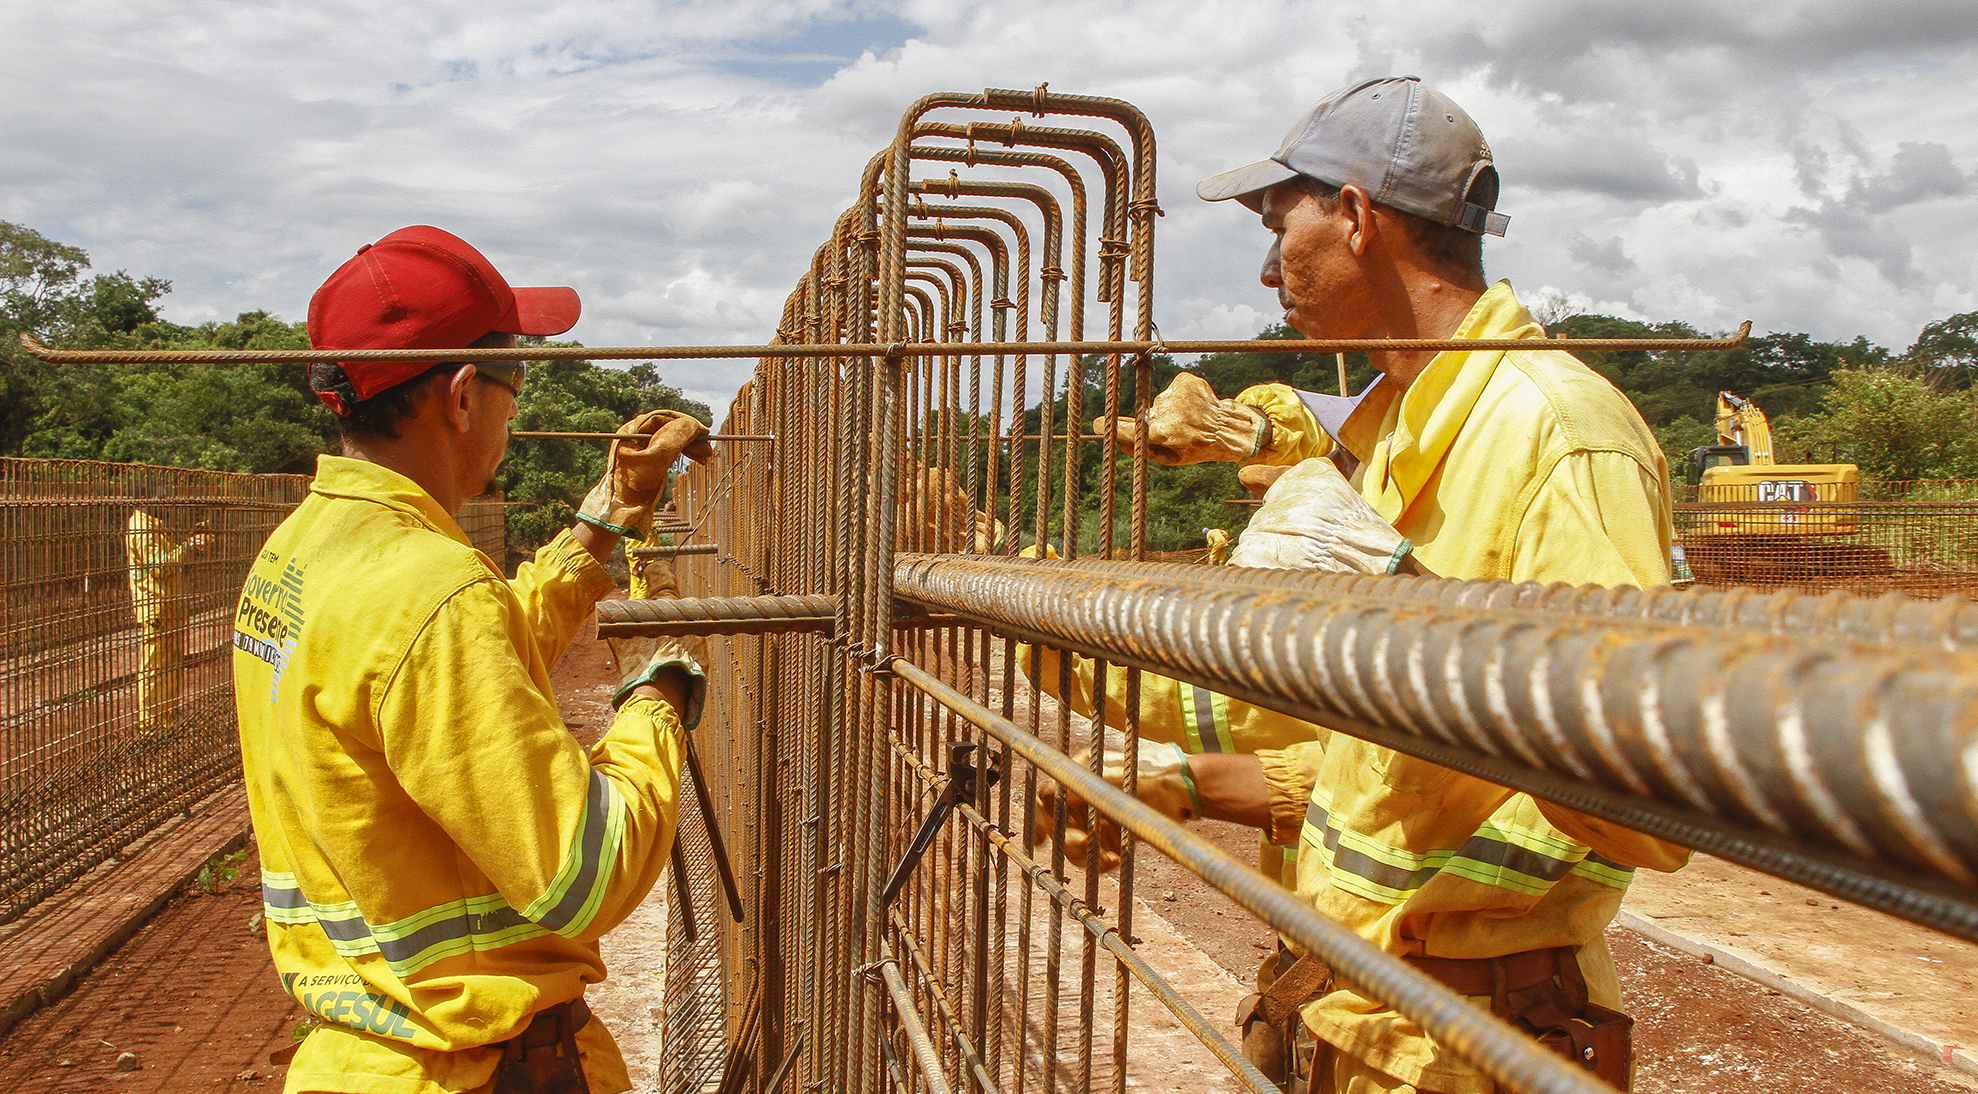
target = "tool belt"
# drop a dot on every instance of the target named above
(1540, 991)
(543, 1059)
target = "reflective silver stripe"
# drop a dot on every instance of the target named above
(1205, 720)
(587, 869)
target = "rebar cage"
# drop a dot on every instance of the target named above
(856, 579)
(873, 754)
(120, 583)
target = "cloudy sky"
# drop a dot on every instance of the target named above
(1809, 165)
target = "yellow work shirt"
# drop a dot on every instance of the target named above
(1523, 466)
(439, 855)
(156, 561)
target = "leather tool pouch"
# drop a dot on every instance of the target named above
(1558, 1013)
(1273, 1029)
(543, 1058)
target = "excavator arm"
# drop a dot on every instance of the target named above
(1740, 422)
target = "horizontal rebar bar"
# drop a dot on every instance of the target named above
(1842, 765)
(1495, 1047)
(662, 551)
(715, 615)
(740, 615)
(879, 349)
(555, 435)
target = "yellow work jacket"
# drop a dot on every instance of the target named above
(439, 855)
(156, 561)
(1522, 466)
(1519, 466)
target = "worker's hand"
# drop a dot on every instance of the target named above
(1313, 519)
(1163, 783)
(645, 660)
(200, 541)
(635, 471)
(1188, 424)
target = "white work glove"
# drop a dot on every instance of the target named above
(1188, 424)
(635, 471)
(1313, 519)
(1163, 782)
(642, 660)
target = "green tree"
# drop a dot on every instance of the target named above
(1891, 422)
(62, 411)
(1948, 349)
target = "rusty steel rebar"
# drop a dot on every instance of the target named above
(663, 551)
(553, 435)
(1836, 764)
(897, 431)
(1501, 1051)
(893, 349)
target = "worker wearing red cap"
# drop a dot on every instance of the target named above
(439, 855)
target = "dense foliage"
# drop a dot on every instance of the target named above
(1898, 415)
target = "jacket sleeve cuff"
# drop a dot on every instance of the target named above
(1289, 776)
(1294, 435)
(569, 560)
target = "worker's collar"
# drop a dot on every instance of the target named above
(1496, 314)
(343, 477)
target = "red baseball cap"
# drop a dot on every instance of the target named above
(422, 288)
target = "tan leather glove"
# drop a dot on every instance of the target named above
(635, 471)
(1163, 782)
(1313, 519)
(1188, 424)
(642, 660)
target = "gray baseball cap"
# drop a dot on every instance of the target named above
(1407, 144)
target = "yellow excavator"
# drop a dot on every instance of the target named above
(1772, 522)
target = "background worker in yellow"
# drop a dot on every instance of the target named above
(158, 602)
(439, 855)
(1522, 466)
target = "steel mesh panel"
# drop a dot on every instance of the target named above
(116, 679)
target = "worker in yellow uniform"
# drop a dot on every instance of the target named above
(439, 854)
(1521, 465)
(158, 602)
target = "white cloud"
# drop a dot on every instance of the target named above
(1808, 165)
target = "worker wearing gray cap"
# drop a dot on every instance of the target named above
(1519, 465)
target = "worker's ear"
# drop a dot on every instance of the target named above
(1357, 207)
(458, 402)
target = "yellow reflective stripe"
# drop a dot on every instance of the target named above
(1512, 857)
(1188, 725)
(1205, 719)
(573, 896)
(473, 923)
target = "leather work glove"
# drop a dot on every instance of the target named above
(1313, 519)
(1188, 424)
(1164, 783)
(642, 660)
(635, 471)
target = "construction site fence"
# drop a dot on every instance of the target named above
(1922, 548)
(118, 584)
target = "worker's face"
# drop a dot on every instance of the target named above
(1312, 264)
(492, 407)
